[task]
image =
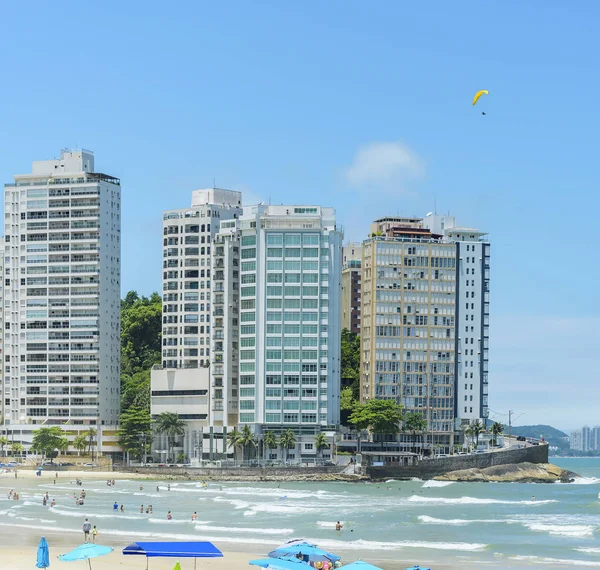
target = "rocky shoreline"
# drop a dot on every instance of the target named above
(512, 473)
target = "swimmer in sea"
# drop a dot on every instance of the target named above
(338, 526)
(169, 517)
(194, 516)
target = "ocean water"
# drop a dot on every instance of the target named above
(425, 522)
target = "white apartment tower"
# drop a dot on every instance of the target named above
(182, 382)
(290, 323)
(61, 302)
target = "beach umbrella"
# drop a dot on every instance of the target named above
(314, 553)
(43, 554)
(177, 566)
(360, 565)
(294, 542)
(281, 563)
(86, 551)
(417, 567)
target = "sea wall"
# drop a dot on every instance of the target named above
(323, 473)
(428, 468)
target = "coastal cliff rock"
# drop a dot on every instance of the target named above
(512, 473)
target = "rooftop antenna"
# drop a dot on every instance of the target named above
(214, 184)
(435, 205)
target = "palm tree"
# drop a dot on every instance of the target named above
(91, 433)
(234, 439)
(171, 425)
(3, 442)
(80, 442)
(270, 440)
(16, 448)
(287, 441)
(247, 440)
(321, 443)
(414, 422)
(474, 430)
(497, 429)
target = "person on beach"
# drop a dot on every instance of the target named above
(150, 507)
(141, 487)
(86, 530)
(53, 503)
(122, 508)
(47, 497)
(94, 534)
(10, 494)
(113, 482)
(169, 517)
(44, 501)
(194, 516)
(339, 526)
(142, 509)
(168, 486)
(116, 506)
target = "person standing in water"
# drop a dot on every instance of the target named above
(339, 525)
(94, 534)
(169, 517)
(86, 530)
(194, 516)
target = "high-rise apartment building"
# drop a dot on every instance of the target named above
(182, 383)
(61, 299)
(424, 325)
(290, 273)
(351, 275)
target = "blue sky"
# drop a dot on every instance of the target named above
(364, 106)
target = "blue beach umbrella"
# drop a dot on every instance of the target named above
(281, 563)
(360, 565)
(43, 554)
(85, 552)
(314, 553)
(417, 567)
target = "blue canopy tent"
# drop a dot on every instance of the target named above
(309, 551)
(173, 550)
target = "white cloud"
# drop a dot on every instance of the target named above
(385, 166)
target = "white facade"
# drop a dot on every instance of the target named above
(183, 383)
(290, 323)
(472, 316)
(62, 294)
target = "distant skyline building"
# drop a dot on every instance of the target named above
(182, 383)
(61, 297)
(351, 276)
(585, 439)
(425, 320)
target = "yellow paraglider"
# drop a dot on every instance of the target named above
(479, 94)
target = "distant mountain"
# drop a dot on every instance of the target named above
(553, 436)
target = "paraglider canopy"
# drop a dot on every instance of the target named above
(479, 94)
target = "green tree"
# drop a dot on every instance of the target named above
(270, 440)
(141, 326)
(380, 417)
(415, 423)
(135, 428)
(247, 440)
(3, 443)
(347, 403)
(321, 443)
(171, 425)
(80, 442)
(287, 441)
(135, 390)
(182, 458)
(16, 448)
(475, 430)
(497, 429)
(350, 361)
(91, 434)
(234, 439)
(47, 439)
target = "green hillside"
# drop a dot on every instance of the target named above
(553, 436)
